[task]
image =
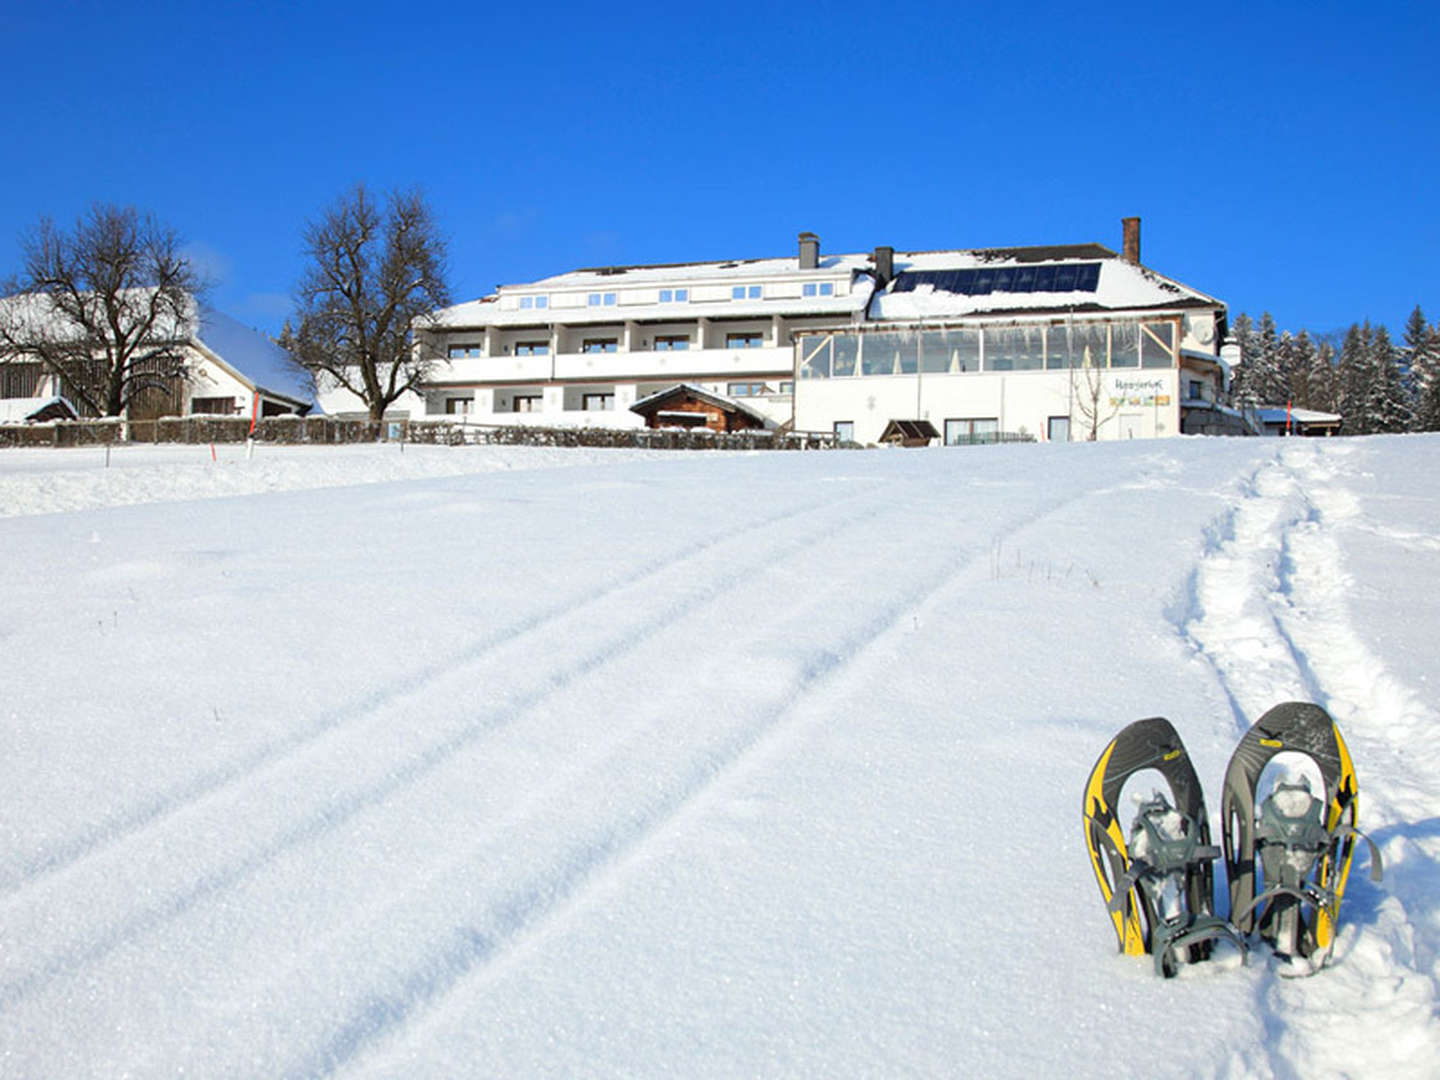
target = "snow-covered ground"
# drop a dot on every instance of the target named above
(508, 762)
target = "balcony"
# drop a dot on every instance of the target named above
(679, 364)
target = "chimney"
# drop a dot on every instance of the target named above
(809, 251)
(884, 266)
(1131, 252)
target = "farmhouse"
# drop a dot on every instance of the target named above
(229, 370)
(1048, 343)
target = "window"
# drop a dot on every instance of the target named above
(596, 299)
(597, 402)
(968, 431)
(818, 288)
(464, 352)
(675, 296)
(845, 430)
(599, 345)
(787, 387)
(1057, 429)
(532, 348)
(671, 342)
(21, 380)
(745, 389)
(527, 302)
(525, 403)
(213, 406)
(1157, 345)
(1194, 390)
(748, 339)
(459, 405)
(743, 292)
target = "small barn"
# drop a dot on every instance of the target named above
(689, 406)
(909, 433)
(35, 410)
(1278, 420)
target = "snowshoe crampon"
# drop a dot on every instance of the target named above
(1157, 883)
(1288, 859)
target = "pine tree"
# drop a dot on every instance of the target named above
(1422, 347)
(1353, 379)
(1322, 380)
(1243, 332)
(1259, 380)
(1388, 401)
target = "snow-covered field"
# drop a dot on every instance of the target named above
(508, 762)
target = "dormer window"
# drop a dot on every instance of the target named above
(596, 299)
(818, 288)
(528, 302)
(674, 296)
(746, 292)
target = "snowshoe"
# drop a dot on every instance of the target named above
(1158, 884)
(1288, 862)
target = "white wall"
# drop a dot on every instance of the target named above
(1133, 402)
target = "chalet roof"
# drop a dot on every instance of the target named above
(655, 403)
(909, 429)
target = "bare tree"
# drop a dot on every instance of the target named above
(1090, 397)
(373, 279)
(108, 308)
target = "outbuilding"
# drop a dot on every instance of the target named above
(689, 406)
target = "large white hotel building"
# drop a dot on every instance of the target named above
(1051, 343)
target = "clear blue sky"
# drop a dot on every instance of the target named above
(1282, 156)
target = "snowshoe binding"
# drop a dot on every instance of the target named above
(1288, 863)
(1158, 884)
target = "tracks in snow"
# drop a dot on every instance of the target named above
(520, 840)
(1269, 612)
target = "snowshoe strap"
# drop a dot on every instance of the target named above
(1204, 928)
(1377, 866)
(1306, 893)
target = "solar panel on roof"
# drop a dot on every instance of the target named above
(982, 281)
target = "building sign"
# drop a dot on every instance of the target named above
(1140, 391)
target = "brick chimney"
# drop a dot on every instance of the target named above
(809, 251)
(884, 266)
(1131, 251)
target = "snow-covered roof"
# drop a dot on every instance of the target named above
(924, 285)
(253, 355)
(249, 354)
(1276, 414)
(647, 405)
(19, 410)
(1015, 282)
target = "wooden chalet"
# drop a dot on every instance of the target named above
(688, 406)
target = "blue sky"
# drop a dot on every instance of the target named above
(1281, 156)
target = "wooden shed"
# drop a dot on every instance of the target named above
(689, 406)
(909, 433)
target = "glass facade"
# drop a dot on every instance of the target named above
(1119, 343)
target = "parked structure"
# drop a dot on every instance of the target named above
(1058, 343)
(230, 370)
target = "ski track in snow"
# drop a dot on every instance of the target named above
(305, 737)
(1269, 612)
(299, 794)
(364, 720)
